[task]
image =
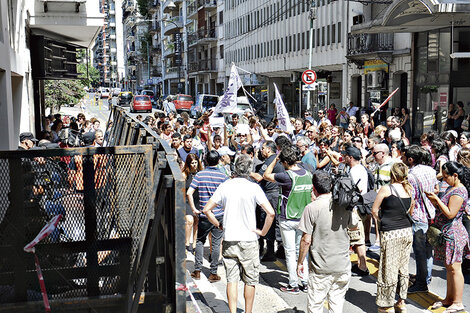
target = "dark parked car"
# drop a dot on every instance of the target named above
(141, 103)
(125, 98)
(149, 93)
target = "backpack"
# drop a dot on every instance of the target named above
(345, 192)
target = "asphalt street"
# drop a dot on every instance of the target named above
(211, 297)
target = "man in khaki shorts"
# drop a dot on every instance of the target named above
(240, 248)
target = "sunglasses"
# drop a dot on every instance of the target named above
(357, 140)
(376, 152)
(241, 135)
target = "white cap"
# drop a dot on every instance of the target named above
(225, 151)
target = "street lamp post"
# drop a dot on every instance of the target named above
(312, 16)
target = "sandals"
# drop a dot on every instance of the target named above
(455, 308)
(439, 304)
(386, 310)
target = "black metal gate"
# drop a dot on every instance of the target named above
(122, 235)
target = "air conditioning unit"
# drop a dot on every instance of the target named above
(372, 80)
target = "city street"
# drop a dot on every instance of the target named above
(211, 297)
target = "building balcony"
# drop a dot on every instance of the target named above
(156, 71)
(168, 50)
(157, 49)
(172, 72)
(202, 36)
(128, 5)
(172, 25)
(154, 28)
(208, 65)
(361, 46)
(130, 21)
(153, 6)
(130, 37)
(191, 12)
(208, 5)
(167, 9)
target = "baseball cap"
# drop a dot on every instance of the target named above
(225, 151)
(353, 152)
(88, 138)
(27, 136)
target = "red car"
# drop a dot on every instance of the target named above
(141, 103)
(183, 102)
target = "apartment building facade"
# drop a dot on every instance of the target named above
(271, 41)
(108, 47)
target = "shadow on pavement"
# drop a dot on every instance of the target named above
(361, 299)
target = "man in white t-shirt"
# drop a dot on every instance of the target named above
(359, 176)
(240, 248)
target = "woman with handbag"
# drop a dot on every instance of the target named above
(392, 208)
(454, 243)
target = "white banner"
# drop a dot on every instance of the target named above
(282, 115)
(228, 103)
(216, 122)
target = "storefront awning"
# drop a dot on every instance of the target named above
(409, 16)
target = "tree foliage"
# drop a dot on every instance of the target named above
(62, 92)
(143, 7)
(70, 91)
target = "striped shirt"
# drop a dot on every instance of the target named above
(206, 182)
(382, 173)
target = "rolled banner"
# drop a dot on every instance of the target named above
(385, 101)
(45, 231)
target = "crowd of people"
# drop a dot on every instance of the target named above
(65, 131)
(259, 193)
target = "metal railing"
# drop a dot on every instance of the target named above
(202, 65)
(162, 258)
(201, 35)
(369, 43)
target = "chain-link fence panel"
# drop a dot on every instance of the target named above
(104, 196)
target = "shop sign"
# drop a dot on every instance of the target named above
(374, 66)
(443, 99)
(375, 94)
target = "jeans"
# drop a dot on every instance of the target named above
(291, 237)
(204, 228)
(423, 254)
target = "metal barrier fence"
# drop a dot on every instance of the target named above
(122, 235)
(164, 254)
